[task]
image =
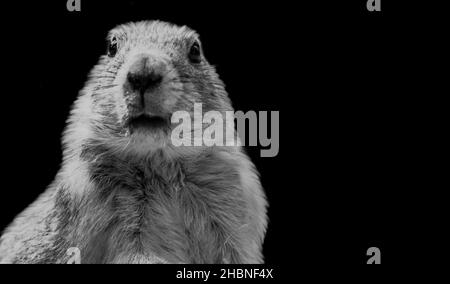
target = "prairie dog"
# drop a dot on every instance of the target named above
(124, 193)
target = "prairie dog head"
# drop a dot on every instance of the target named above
(150, 70)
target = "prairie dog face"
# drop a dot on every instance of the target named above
(151, 70)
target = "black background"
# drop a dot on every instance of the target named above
(332, 70)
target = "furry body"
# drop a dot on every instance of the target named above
(123, 198)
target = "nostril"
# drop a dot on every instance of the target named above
(143, 81)
(155, 78)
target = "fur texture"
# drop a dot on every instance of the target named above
(134, 198)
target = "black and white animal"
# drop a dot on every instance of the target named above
(125, 193)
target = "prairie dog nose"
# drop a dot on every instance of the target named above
(145, 73)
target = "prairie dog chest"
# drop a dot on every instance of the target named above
(177, 212)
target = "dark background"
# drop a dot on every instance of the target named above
(332, 69)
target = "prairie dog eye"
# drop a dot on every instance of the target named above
(112, 47)
(195, 55)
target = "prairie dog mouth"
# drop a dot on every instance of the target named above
(148, 122)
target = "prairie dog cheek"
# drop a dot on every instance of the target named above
(172, 89)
